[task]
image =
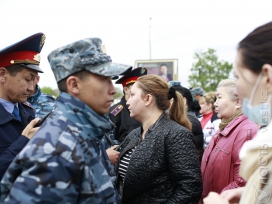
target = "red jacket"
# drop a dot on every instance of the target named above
(220, 162)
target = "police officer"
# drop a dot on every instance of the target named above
(19, 66)
(43, 103)
(66, 162)
(197, 92)
(119, 113)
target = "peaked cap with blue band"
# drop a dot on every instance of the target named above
(132, 76)
(25, 52)
(87, 54)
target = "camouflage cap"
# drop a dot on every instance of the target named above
(88, 54)
(174, 83)
(197, 91)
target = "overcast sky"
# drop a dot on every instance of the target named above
(178, 28)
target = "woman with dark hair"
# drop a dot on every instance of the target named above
(253, 72)
(158, 161)
(192, 106)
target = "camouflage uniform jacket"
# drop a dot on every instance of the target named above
(43, 103)
(65, 161)
(108, 139)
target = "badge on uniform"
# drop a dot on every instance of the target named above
(143, 71)
(117, 110)
(28, 105)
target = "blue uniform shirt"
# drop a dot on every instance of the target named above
(8, 105)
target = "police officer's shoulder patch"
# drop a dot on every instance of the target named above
(28, 105)
(117, 110)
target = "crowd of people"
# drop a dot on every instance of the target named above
(162, 143)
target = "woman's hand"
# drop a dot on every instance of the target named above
(232, 195)
(214, 198)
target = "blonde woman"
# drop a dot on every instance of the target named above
(209, 120)
(158, 161)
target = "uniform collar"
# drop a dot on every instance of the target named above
(233, 124)
(8, 106)
(6, 116)
(32, 99)
(97, 125)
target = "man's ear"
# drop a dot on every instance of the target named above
(3, 74)
(126, 90)
(38, 79)
(73, 86)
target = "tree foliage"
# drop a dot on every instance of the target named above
(208, 71)
(50, 91)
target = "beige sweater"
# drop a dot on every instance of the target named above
(256, 168)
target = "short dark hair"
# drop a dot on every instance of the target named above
(256, 48)
(163, 65)
(14, 69)
(82, 75)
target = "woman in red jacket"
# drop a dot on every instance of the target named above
(220, 162)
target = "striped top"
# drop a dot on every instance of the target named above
(124, 162)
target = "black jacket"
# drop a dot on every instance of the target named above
(164, 167)
(123, 122)
(11, 140)
(197, 132)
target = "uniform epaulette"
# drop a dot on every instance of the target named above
(117, 110)
(28, 105)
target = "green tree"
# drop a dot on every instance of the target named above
(119, 93)
(49, 90)
(208, 71)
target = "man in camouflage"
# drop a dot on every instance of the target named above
(43, 103)
(66, 162)
(197, 92)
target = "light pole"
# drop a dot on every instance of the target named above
(150, 38)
